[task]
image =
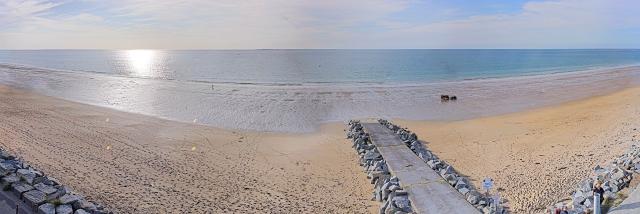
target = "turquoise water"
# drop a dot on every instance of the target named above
(321, 66)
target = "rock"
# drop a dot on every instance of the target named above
(384, 206)
(6, 168)
(34, 171)
(45, 188)
(578, 198)
(424, 155)
(64, 209)
(413, 136)
(618, 175)
(390, 209)
(609, 195)
(402, 202)
(81, 211)
(586, 185)
(50, 181)
(614, 188)
(101, 210)
(26, 175)
(445, 171)
(57, 194)
(34, 197)
(20, 187)
(486, 210)
(12, 178)
(588, 203)
(394, 179)
(39, 179)
(433, 164)
(463, 191)
(385, 194)
(449, 169)
(578, 209)
(461, 184)
(69, 199)
(47, 208)
(400, 192)
(451, 179)
(372, 155)
(472, 199)
(386, 185)
(5, 155)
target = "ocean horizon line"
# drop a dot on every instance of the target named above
(258, 49)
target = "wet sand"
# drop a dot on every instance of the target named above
(536, 157)
(139, 164)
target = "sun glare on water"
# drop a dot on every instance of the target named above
(141, 61)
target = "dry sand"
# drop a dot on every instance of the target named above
(139, 164)
(537, 156)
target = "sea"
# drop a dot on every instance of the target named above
(297, 90)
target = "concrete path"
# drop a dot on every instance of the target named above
(428, 192)
(631, 205)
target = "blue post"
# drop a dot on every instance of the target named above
(596, 204)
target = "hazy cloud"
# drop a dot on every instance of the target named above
(227, 24)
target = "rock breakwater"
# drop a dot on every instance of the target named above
(41, 193)
(386, 186)
(614, 177)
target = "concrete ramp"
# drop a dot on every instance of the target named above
(428, 192)
(631, 205)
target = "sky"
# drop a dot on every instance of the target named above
(261, 24)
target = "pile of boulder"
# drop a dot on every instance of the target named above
(41, 193)
(386, 186)
(480, 201)
(614, 178)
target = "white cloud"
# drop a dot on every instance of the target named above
(228, 24)
(13, 11)
(201, 24)
(548, 24)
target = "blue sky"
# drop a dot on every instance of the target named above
(251, 24)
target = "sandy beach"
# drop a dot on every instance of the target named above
(140, 164)
(320, 107)
(536, 157)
